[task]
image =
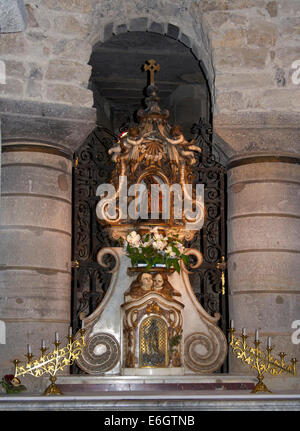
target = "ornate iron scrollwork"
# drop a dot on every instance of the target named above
(208, 281)
(90, 281)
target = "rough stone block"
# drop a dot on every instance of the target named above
(69, 24)
(121, 29)
(56, 123)
(34, 295)
(49, 213)
(13, 44)
(82, 6)
(231, 101)
(284, 99)
(138, 24)
(31, 19)
(242, 80)
(36, 181)
(172, 31)
(262, 34)
(39, 17)
(289, 8)
(229, 38)
(285, 56)
(157, 27)
(208, 5)
(108, 31)
(257, 233)
(289, 29)
(272, 8)
(12, 16)
(230, 58)
(265, 172)
(261, 271)
(260, 198)
(75, 49)
(13, 87)
(216, 20)
(14, 69)
(44, 249)
(269, 311)
(34, 89)
(185, 40)
(57, 162)
(66, 70)
(70, 95)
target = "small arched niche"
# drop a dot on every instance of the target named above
(118, 80)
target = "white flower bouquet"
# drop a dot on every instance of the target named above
(155, 249)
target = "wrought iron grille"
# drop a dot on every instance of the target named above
(211, 240)
(93, 167)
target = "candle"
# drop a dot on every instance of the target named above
(70, 331)
(256, 335)
(231, 324)
(244, 331)
(269, 343)
(82, 324)
(43, 344)
(56, 337)
(29, 349)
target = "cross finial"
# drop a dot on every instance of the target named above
(152, 66)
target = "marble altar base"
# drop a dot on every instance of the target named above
(160, 383)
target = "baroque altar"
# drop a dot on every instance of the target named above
(150, 321)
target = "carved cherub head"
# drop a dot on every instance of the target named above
(146, 281)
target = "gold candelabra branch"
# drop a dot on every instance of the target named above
(52, 362)
(262, 362)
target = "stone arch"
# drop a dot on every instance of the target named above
(199, 45)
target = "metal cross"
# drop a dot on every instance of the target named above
(152, 67)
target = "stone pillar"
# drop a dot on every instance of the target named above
(264, 249)
(35, 252)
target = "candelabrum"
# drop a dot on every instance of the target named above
(262, 362)
(52, 362)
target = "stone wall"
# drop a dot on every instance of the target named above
(254, 45)
(246, 46)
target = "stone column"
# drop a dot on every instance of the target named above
(263, 228)
(264, 249)
(35, 252)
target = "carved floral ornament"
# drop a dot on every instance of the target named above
(152, 153)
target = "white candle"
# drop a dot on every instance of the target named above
(82, 324)
(269, 343)
(70, 331)
(56, 337)
(256, 335)
(29, 349)
(244, 331)
(231, 324)
(43, 344)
